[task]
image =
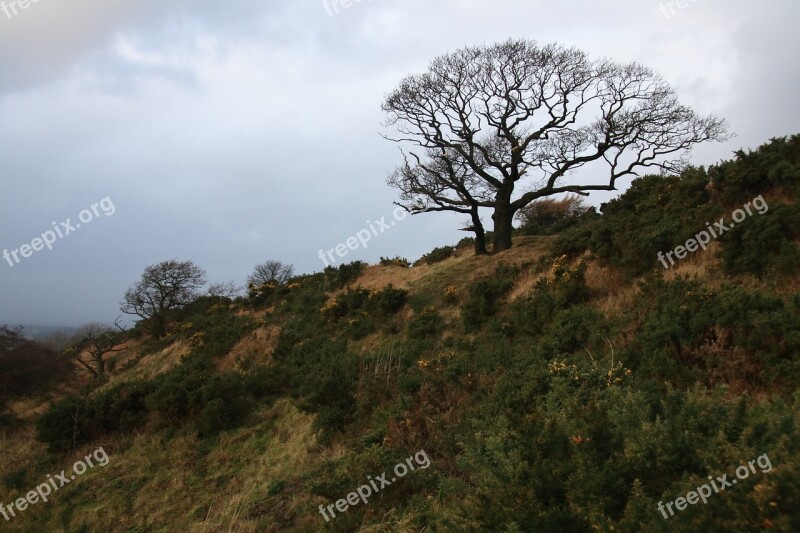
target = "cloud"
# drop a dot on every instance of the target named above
(231, 133)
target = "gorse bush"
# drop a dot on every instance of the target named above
(659, 213)
(343, 275)
(484, 296)
(437, 255)
(396, 261)
(692, 333)
(360, 302)
(775, 165)
(763, 244)
(389, 300)
(427, 323)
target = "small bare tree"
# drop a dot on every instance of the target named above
(522, 117)
(228, 289)
(93, 341)
(162, 288)
(270, 271)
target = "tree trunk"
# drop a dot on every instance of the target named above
(503, 217)
(158, 326)
(480, 234)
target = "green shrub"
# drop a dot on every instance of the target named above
(484, 295)
(658, 213)
(437, 255)
(773, 165)
(16, 479)
(343, 275)
(75, 421)
(397, 261)
(690, 332)
(764, 243)
(426, 324)
(222, 414)
(390, 300)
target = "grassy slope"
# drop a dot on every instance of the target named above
(207, 490)
(257, 477)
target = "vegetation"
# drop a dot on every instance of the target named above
(163, 288)
(549, 216)
(437, 255)
(397, 261)
(570, 391)
(270, 272)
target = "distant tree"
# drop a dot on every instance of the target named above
(60, 340)
(546, 214)
(27, 367)
(270, 271)
(91, 343)
(517, 115)
(163, 287)
(224, 290)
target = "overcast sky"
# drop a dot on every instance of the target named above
(233, 132)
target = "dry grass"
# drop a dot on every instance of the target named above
(524, 285)
(377, 276)
(617, 303)
(151, 365)
(28, 408)
(292, 449)
(702, 265)
(17, 449)
(258, 344)
(459, 271)
(603, 280)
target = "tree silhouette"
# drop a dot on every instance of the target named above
(491, 120)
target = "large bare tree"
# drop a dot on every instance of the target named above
(163, 287)
(518, 115)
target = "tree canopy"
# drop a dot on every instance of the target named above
(163, 287)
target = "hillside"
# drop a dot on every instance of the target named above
(570, 383)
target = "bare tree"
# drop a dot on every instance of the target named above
(270, 271)
(522, 115)
(228, 289)
(163, 287)
(92, 342)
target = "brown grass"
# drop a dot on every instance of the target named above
(151, 365)
(459, 271)
(258, 344)
(603, 280)
(524, 285)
